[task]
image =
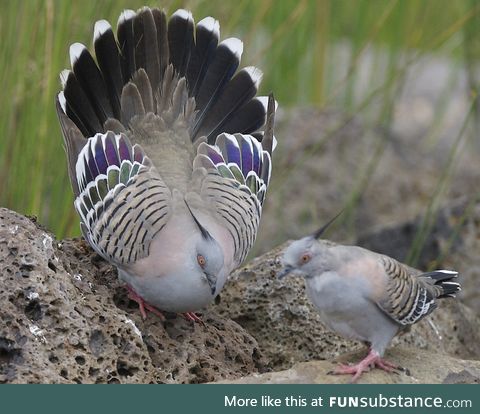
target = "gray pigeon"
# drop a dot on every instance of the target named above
(169, 154)
(363, 295)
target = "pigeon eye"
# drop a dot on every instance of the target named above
(201, 260)
(305, 258)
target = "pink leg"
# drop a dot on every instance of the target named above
(143, 305)
(191, 316)
(370, 361)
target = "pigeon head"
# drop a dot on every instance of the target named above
(208, 259)
(307, 256)
(207, 256)
(300, 257)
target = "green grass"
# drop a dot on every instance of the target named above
(290, 40)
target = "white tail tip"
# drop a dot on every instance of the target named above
(183, 14)
(63, 101)
(235, 45)
(100, 28)
(210, 24)
(254, 73)
(64, 74)
(126, 15)
(76, 49)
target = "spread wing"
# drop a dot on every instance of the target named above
(122, 201)
(238, 174)
(164, 85)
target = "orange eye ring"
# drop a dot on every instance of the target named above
(305, 258)
(201, 260)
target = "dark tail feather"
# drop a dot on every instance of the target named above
(79, 106)
(180, 39)
(67, 110)
(143, 73)
(146, 49)
(108, 58)
(127, 44)
(72, 138)
(444, 279)
(220, 71)
(207, 34)
(240, 90)
(268, 137)
(249, 117)
(91, 81)
(162, 41)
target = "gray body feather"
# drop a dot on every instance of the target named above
(346, 314)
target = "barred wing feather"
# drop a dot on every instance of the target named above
(411, 295)
(123, 202)
(238, 174)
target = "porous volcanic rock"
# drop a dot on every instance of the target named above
(65, 318)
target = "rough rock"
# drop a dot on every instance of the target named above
(288, 329)
(419, 367)
(65, 318)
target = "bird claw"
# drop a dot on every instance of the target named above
(142, 305)
(153, 310)
(385, 365)
(193, 317)
(372, 360)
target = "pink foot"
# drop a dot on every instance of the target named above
(372, 360)
(143, 306)
(191, 316)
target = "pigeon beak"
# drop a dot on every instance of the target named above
(212, 282)
(284, 272)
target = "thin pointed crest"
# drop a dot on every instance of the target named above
(321, 230)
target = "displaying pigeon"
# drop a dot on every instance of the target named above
(169, 154)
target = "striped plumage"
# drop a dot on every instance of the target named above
(411, 295)
(238, 176)
(169, 153)
(126, 204)
(364, 295)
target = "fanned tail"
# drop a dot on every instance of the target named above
(173, 68)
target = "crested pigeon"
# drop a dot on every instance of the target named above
(169, 154)
(363, 295)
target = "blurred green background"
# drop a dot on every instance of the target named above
(291, 41)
